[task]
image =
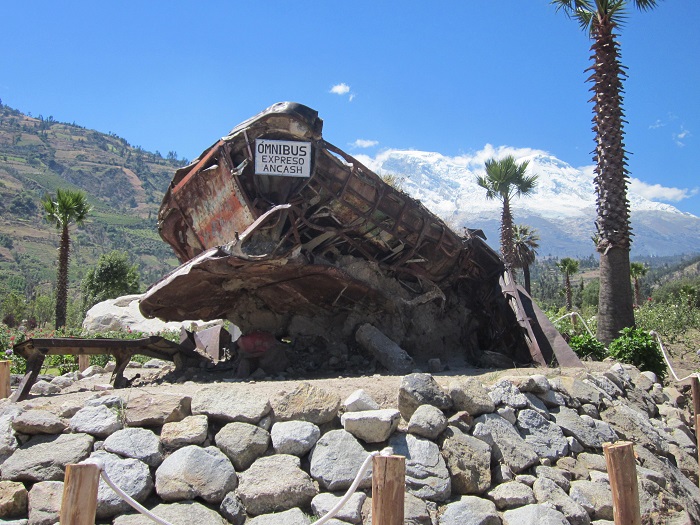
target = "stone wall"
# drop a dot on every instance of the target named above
(525, 450)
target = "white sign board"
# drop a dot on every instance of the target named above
(284, 158)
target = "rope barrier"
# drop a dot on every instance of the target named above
(651, 332)
(330, 514)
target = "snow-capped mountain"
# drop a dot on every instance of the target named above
(561, 209)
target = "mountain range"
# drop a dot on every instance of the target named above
(562, 207)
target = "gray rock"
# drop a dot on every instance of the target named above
(155, 363)
(546, 438)
(575, 389)
(427, 476)
(427, 421)
(130, 475)
(527, 479)
(275, 483)
(62, 381)
(592, 461)
(226, 404)
(415, 511)
(468, 395)
(508, 446)
(605, 385)
(371, 426)
(351, 512)
(307, 403)
(506, 393)
(468, 461)
(596, 498)
(511, 495)
(394, 358)
(552, 399)
(470, 510)
(294, 437)
(98, 421)
(336, 459)
(44, 388)
(243, 443)
(288, 517)
(589, 410)
(115, 402)
(572, 425)
(570, 465)
(534, 515)
(651, 475)
(38, 422)
(194, 471)
(232, 509)
(557, 475)
(546, 491)
(44, 458)
(13, 499)
(137, 443)
(8, 441)
(537, 383)
(179, 513)
(674, 396)
(92, 370)
(150, 410)
(192, 430)
(421, 389)
(45, 500)
(359, 400)
(634, 426)
(575, 446)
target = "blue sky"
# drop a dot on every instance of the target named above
(449, 77)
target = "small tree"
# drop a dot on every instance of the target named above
(505, 179)
(69, 207)
(111, 277)
(637, 271)
(568, 267)
(525, 244)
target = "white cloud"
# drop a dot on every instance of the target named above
(657, 124)
(351, 97)
(340, 89)
(657, 192)
(679, 138)
(479, 158)
(363, 143)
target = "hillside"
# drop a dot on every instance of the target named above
(124, 184)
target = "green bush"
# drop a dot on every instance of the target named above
(639, 348)
(588, 347)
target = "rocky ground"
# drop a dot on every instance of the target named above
(482, 446)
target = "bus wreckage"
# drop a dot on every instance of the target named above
(279, 231)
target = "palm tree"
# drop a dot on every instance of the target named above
(504, 180)
(601, 18)
(637, 271)
(568, 267)
(69, 207)
(525, 249)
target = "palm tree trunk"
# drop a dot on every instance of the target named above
(507, 234)
(613, 221)
(526, 274)
(567, 285)
(62, 279)
(637, 292)
(615, 300)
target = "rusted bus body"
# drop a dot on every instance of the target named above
(343, 206)
(339, 247)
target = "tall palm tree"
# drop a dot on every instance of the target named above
(69, 207)
(637, 271)
(525, 249)
(601, 18)
(568, 267)
(504, 180)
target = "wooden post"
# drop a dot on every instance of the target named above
(695, 388)
(622, 471)
(697, 438)
(388, 486)
(83, 362)
(80, 494)
(5, 389)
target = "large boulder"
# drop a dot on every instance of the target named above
(507, 445)
(427, 476)
(45, 500)
(178, 513)
(156, 409)
(468, 460)
(130, 475)
(137, 443)
(307, 403)
(336, 459)
(227, 404)
(470, 510)
(421, 389)
(243, 443)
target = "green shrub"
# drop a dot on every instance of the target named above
(588, 347)
(639, 348)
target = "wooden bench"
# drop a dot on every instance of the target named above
(36, 350)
